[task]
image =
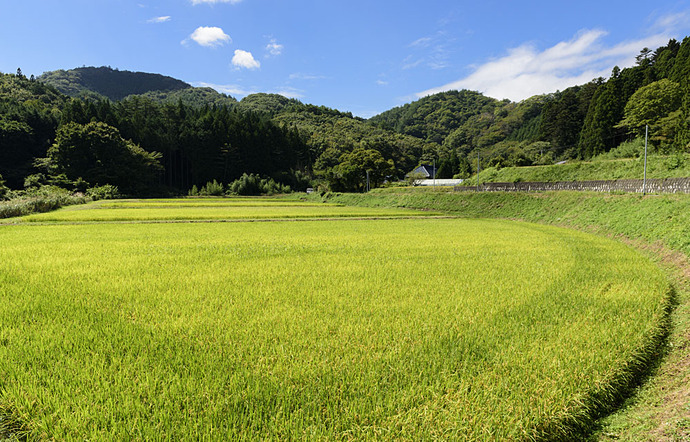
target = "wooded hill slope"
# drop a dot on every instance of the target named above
(579, 122)
(105, 82)
(203, 135)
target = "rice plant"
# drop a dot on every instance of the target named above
(340, 329)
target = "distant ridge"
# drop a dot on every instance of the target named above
(107, 82)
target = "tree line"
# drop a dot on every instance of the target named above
(137, 144)
(172, 140)
(579, 122)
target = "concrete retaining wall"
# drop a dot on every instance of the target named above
(667, 185)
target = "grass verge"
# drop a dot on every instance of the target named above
(39, 202)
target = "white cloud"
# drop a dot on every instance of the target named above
(244, 59)
(302, 76)
(382, 82)
(678, 21)
(236, 90)
(213, 2)
(423, 42)
(410, 63)
(274, 48)
(229, 89)
(159, 19)
(526, 71)
(289, 92)
(209, 36)
(434, 51)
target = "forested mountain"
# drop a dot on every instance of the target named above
(99, 83)
(29, 116)
(192, 96)
(123, 143)
(332, 135)
(198, 145)
(579, 122)
(107, 82)
(193, 136)
(434, 117)
(175, 136)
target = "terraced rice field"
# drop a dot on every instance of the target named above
(351, 324)
(212, 209)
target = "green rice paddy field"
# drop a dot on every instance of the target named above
(350, 324)
(212, 209)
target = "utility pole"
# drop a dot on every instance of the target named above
(644, 181)
(433, 170)
(477, 170)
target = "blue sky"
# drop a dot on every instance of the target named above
(359, 56)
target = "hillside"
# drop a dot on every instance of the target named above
(267, 103)
(579, 122)
(191, 96)
(458, 130)
(330, 134)
(434, 117)
(104, 81)
(29, 117)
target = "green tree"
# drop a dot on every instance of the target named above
(449, 165)
(98, 154)
(15, 155)
(464, 168)
(605, 111)
(351, 173)
(644, 57)
(562, 120)
(3, 189)
(650, 104)
(682, 135)
(664, 59)
(680, 73)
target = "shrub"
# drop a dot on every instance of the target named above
(35, 181)
(105, 192)
(213, 188)
(43, 199)
(255, 185)
(676, 161)
(3, 189)
(627, 149)
(297, 180)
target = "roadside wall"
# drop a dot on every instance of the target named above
(667, 185)
(438, 182)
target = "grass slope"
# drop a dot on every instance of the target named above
(664, 218)
(658, 166)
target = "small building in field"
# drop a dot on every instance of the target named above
(423, 171)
